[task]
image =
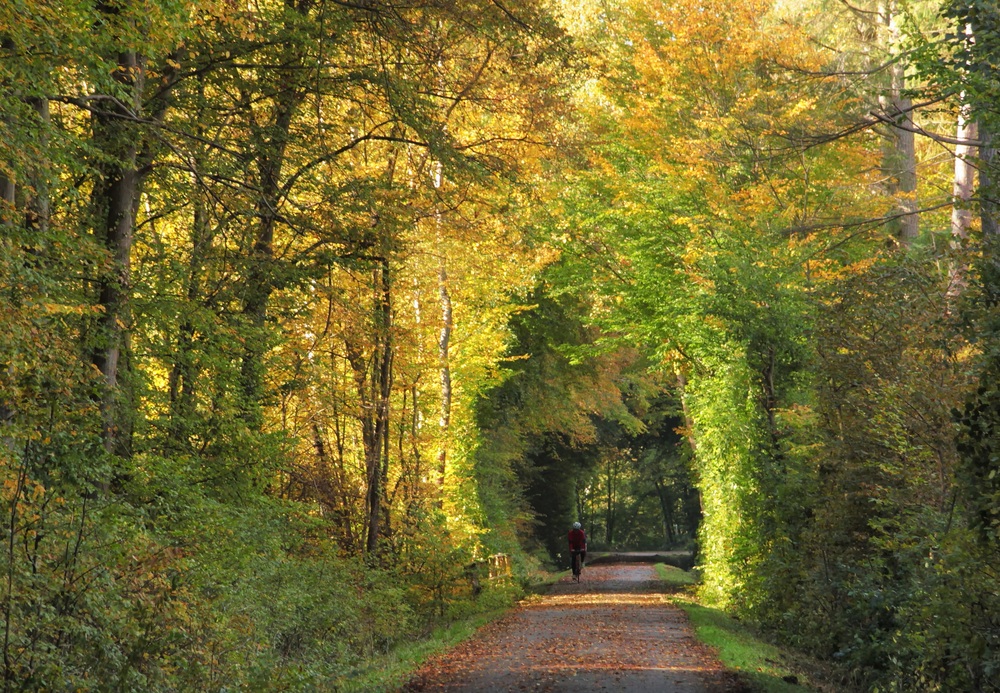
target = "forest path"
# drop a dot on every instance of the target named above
(615, 631)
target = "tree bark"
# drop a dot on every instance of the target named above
(7, 194)
(259, 278)
(609, 525)
(183, 373)
(118, 133)
(374, 387)
(37, 205)
(346, 506)
(988, 180)
(444, 340)
(962, 189)
(961, 215)
(274, 138)
(688, 421)
(382, 390)
(8, 189)
(116, 200)
(899, 154)
(666, 507)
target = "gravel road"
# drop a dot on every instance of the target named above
(615, 631)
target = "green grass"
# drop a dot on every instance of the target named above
(760, 662)
(762, 665)
(675, 577)
(390, 671)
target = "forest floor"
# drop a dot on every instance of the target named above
(614, 631)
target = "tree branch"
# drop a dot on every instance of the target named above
(510, 15)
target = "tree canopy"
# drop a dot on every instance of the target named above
(321, 316)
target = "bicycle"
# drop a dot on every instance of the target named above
(577, 565)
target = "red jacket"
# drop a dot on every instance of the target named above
(577, 540)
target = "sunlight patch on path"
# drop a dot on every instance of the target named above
(597, 599)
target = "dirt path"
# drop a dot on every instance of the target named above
(614, 631)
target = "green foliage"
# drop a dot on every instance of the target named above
(582, 431)
(387, 673)
(219, 233)
(816, 372)
(230, 597)
(194, 197)
(764, 665)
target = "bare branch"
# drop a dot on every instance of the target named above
(510, 15)
(916, 129)
(872, 222)
(858, 10)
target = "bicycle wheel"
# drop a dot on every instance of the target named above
(576, 566)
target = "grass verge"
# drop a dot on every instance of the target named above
(766, 667)
(390, 671)
(543, 582)
(675, 577)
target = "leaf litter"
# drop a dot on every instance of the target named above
(614, 631)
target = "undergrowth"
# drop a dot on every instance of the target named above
(766, 667)
(391, 671)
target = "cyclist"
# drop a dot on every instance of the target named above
(577, 548)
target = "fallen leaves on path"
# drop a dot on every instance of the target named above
(613, 631)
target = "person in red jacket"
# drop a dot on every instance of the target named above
(577, 547)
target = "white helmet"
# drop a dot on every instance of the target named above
(577, 525)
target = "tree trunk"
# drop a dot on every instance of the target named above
(374, 388)
(961, 213)
(688, 421)
(272, 145)
(8, 189)
(899, 153)
(988, 180)
(7, 194)
(37, 205)
(381, 390)
(116, 200)
(609, 525)
(444, 340)
(666, 507)
(259, 278)
(183, 372)
(415, 437)
(346, 506)
(128, 154)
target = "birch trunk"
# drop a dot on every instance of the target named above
(961, 212)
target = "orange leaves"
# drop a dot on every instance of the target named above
(716, 100)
